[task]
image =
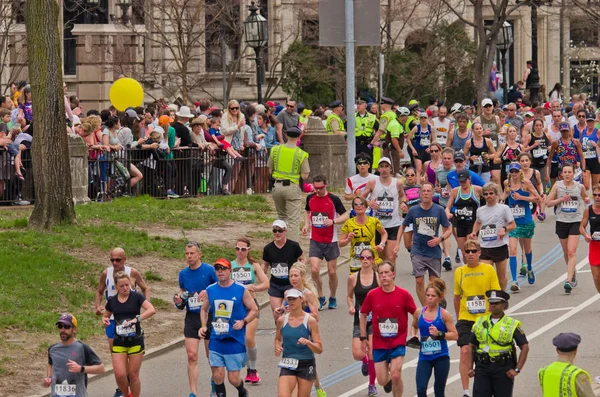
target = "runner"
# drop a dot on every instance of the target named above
(323, 212)
(280, 255)
(553, 133)
(435, 327)
(494, 220)
(419, 139)
(479, 150)
(567, 151)
(491, 128)
(435, 150)
(539, 148)
(462, 207)
(386, 195)
(460, 164)
(193, 281)
(443, 189)
(359, 285)
(389, 306)
(592, 214)
(589, 144)
(356, 183)
(461, 134)
(441, 127)
(361, 232)
(412, 191)
(508, 152)
(128, 346)
(426, 254)
(519, 192)
(298, 338)
(231, 308)
(247, 271)
(568, 196)
(471, 281)
(70, 362)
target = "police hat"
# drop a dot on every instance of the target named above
(387, 101)
(293, 132)
(336, 104)
(566, 342)
(495, 296)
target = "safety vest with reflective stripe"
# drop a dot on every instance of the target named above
(410, 119)
(287, 162)
(389, 116)
(334, 116)
(558, 379)
(498, 337)
(364, 125)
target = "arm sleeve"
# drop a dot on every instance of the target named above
(339, 207)
(519, 337)
(307, 207)
(108, 305)
(409, 303)
(476, 179)
(299, 251)
(171, 137)
(583, 386)
(49, 356)
(265, 255)
(345, 228)
(279, 118)
(408, 219)
(474, 340)
(180, 281)
(89, 356)
(140, 298)
(213, 275)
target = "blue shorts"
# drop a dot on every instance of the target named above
(388, 355)
(110, 330)
(231, 362)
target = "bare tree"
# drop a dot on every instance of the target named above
(11, 13)
(50, 151)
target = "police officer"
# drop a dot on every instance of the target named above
(387, 115)
(496, 365)
(288, 163)
(562, 378)
(334, 123)
(365, 125)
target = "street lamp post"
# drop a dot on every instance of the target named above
(505, 40)
(256, 35)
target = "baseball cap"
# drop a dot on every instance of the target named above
(133, 114)
(463, 175)
(67, 319)
(547, 105)
(459, 156)
(564, 127)
(487, 101)
(529, 114)
(223, 262)
(293, 293)
(514, 166)
(271, 104)
(384, 160)
(423, 114)
(280, 224)
(590, 117)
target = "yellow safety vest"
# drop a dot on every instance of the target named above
(365, 125)
(498, 337)
(287, 162)
(558, 379)
(389, 116)
(333, 116)
(410, 119)
(303, 119)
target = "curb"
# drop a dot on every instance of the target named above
(174, 344)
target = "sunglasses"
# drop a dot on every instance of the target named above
(220, 268)
(319, 187)
(514, 171)
(65, 326)
(290, 106)
(278, 230)
(459, 161)
(434, 151)
(365, 257)
(471, 251)
(234, 108)
(359, 204)
(487, 106)
(113, 260)
(581, 117)
(243, 249)
(410, 175)
(362, 163)
(596, 194)
(489, 194)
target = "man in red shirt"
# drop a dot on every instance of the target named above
(389, 306)
(323, 211)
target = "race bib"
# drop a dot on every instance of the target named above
(65, 390)
(388, 327)
(489, 233)
(589, 154)
(358, 248)
(194, 303)
(596, 236)
(288, 363)
(242, 275)
(569, 206)
(318, 219)
(221, 326)
(518, 211)
(386, 204)
(430, 346)
(539, 153)
(125, 330)
(280, 270)
(441, 140)
(425, 141)
(476, 304)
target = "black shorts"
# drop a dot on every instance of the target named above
(496, 254)
(129, 346)
(307, 369)
(593, 166)
(495, 166)
(462, 230)
(392, 234)
(564, 230)
(553, 170)
(464, 327)
(423, 155)
(277, 291)
(192, 325)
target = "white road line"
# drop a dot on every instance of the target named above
(519, 305)
(585, 271)
(558, 309)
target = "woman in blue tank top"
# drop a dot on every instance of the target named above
(419, 140)
(519, 192)
(297, 339)
(245, 270)
(435, 327)
(589, 146)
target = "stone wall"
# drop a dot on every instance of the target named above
(78, 154)
(327, 153)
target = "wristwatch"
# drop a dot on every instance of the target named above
(362, 338)
(82, 368)
(517, 370)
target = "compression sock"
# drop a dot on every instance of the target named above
(513, 267)
(529, 259)
(252, 353)
(372, 374)
(241, 390)
(220, 389)
(365, 359)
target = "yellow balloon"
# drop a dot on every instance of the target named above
(126, 92)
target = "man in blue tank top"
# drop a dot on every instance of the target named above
(231, 307)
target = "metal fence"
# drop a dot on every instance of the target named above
(185, 172)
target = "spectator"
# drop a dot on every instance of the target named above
(109, 134)
(219, 139)
(515, 92)
(288, 119)
(493, 82)
(172, 141)
(232, 121)
(204, 107)
(126, 135)
(25, 104)
(269, 132)
(198, 125)
(555, 94)
(181, 129)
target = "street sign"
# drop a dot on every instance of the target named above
(367, 19)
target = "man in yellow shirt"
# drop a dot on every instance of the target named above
(471, 281)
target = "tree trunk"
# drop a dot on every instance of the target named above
(50, 151)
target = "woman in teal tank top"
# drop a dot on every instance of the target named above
(246, 271)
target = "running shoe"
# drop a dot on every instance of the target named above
(574, 279)
(320, 392)
(447, 264)
(523, 270)
(457, 257)
(388, 387)
(322, 301)
(514, 287)
(119, 393)
(249, 376)
(530, 276)
(365, 368)
(332, 303)
(372, 391)
(568, 287)
(541, 216)
(255, 378)
(172, 194)
(192, 395)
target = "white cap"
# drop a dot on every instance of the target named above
(293, 293)
(487, 101)
(384, 160)
(280, 224)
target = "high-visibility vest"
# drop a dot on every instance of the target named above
(334, 116)
(364, 125)
(389, 116)
(498, 338)
(303, 119)
(287, 162)
(410, 119)
(558, 379)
